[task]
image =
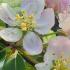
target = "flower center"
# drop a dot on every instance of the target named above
(60, 64)
(27, 23)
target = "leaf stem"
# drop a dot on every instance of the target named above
(60, 31)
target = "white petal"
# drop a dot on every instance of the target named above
(48, 59)
(7, 14)
(11, 34)
(41, 66)
(33, 6)
(46, 21)
(32, 44)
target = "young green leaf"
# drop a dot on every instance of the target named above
(14, 62)
(2, 52)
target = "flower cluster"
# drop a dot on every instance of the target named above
(32, 23)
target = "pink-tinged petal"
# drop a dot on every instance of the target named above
(34, 7)
(32, 43)
(64, 22)
(59, 48)
(11, 34)
(7, 14)
(58, 5)
(52, 4)
(64, 5)
(46, 21)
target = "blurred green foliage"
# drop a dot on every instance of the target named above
(16, 4)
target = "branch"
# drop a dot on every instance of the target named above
(28, 58)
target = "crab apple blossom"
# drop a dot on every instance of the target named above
(58, 51)
(34, 19)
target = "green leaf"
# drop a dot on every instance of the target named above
(28, 66)
(1, 64)
(2, 55)
(2, 51)
(2, 24)
(1, 46)
(15, 62)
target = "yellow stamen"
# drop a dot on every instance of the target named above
(24, 26)
(18, 16)
(26, 22)
(30, 17)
